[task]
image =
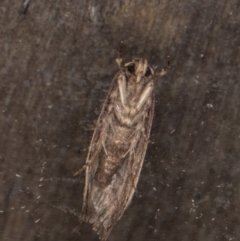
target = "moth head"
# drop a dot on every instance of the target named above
(139, 67)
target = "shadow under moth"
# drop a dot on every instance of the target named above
(119, 144)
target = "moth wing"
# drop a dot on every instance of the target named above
(124, 182)
(96, 145)
(136, 160)
(123, 185)
(98, 130)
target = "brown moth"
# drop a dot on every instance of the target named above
(119, 144)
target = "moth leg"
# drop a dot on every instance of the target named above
(76, 229)
(88, 163)
(144, 96)
(147, 139)
(122, 89)
(134, 186)
(104, 148)
(111, 125)
(80, 170)
(135, 136)
(92, 156)
(131, 148)
(131, 173)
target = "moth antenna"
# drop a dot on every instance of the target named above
(119, 58)
(120, 49)
(165, 69)
(168, 62)
(141, 55)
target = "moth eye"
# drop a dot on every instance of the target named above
(148, 72)
(131, 68)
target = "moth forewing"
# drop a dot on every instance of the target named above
(118, 146)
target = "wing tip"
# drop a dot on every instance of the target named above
(98, 226)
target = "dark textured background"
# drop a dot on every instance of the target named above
(56, 64)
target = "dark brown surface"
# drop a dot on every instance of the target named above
(56, 64)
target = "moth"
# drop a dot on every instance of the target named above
(119, 144)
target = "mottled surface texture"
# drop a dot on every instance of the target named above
(56, 64)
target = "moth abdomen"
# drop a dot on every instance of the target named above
(113, 156)
(108, 166)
